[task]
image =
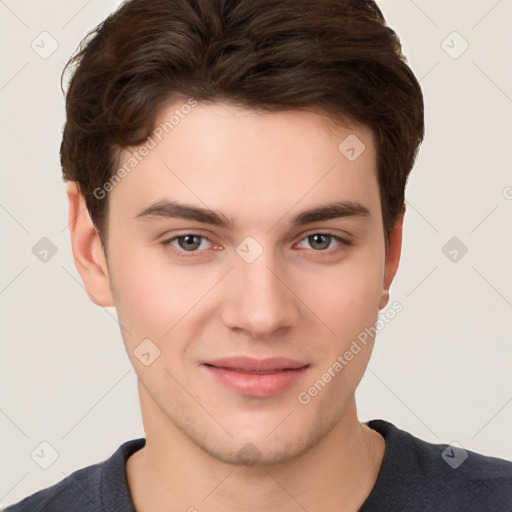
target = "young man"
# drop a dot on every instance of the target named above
(235, 174)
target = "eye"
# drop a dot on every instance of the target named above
(188, 243)
(322, 241)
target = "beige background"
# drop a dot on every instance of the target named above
(441, 369)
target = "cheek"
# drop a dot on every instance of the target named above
(151, 295)
(347, 298)
(347, 301)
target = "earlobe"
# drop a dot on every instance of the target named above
(87, 250)
(392, 257)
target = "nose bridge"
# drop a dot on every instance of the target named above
(259, 301)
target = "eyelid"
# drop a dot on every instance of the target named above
(342, 243)
(168, 240)
(181, 254)
(302, 236)
(345, 239)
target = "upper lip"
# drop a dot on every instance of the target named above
(250, 364)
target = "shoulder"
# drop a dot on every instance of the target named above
(440, 477)
(78, 491)
(100, 487)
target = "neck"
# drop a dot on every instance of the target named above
(338, 473)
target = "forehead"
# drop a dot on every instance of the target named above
(235, 159)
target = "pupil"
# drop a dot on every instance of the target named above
(189, 242)
(320, 241)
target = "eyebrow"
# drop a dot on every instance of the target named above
(173, 209)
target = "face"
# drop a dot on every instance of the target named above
(245, 255)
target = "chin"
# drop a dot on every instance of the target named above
(255, 454)
(264, 450)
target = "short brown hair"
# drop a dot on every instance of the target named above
(336, 56)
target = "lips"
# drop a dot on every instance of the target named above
(260, 366)
(256, 377)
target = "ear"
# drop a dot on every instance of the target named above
(392, 257)
(88, 253)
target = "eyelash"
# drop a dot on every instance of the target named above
(342, 244)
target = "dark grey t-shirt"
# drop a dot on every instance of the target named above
(415, 476)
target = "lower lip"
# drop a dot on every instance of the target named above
(259, 385)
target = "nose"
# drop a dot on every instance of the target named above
(260, 302)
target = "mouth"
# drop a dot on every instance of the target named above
(252, 372)
(256, 377)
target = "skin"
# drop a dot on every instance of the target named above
(296, 300)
